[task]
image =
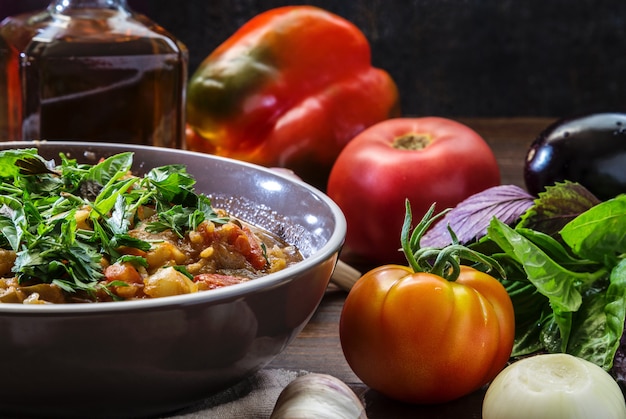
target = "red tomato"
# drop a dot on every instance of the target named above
(419, 338)
(427, 160)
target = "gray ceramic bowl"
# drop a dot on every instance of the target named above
(151, 357)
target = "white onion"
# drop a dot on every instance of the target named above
(554, 386)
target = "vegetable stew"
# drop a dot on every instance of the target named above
(90, 233)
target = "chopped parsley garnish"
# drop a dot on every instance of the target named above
(61, 220)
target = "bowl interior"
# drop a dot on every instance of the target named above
(298, 213)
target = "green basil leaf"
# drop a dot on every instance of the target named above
(557, 252)
(564, 320)
(600, 233)
(550, 278)
(550, 335)
(601, 321)
(528, 334)
(530, 309)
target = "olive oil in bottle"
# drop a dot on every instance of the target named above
(93, 70)
(15, 34)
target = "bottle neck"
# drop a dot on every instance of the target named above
(61, 6)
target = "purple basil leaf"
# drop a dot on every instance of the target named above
(470, 218)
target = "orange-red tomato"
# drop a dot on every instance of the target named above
(419, 338)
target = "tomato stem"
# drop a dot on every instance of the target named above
(412, 141)
(411, 241)
(445, 262)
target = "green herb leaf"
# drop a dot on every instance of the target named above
(183, 270)
(173, 184)
(12, 220)
(177, 219)
(119, 240)
(600, 321)
(551, 279)
(599, 233)
(110, 169)
(8, 168)
(39, 204)
(555, 250)
(556, 206)
(105, 202)
(135, 260)
(561, 286)
(33, 165)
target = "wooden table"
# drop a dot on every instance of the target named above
(317, 347)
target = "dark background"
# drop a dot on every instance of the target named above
(451, 58)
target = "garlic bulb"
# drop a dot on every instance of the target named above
(554, 386)
(318, 396)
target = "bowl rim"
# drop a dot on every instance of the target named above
(332, 246)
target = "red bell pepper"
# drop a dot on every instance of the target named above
(289, 89)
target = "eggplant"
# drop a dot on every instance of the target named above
(588, 149)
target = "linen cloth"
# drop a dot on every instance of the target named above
(253, 398)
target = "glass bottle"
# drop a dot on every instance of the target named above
(91, 70)
(15, 34)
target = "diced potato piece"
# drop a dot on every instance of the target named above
(81, 217)
(125, 272)
(127, 292)
(164, 254)
(168, 281)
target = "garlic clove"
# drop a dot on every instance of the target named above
(318, 396)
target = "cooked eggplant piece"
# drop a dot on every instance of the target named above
(589, 149)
